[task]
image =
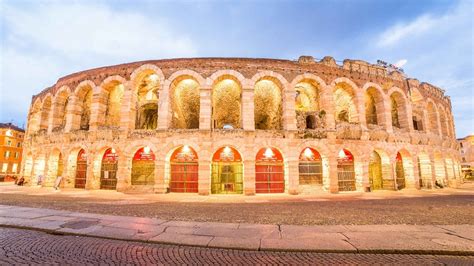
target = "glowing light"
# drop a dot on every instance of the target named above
(268, 153)
(186, 149)
(112, 150)
(227, 150)
(308, 153)
(342, 154)
(146, 150)
(9, 133)
(153, 77)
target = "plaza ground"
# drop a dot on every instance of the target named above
(415, 207)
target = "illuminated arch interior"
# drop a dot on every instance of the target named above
(226, 103)
(185, 103)
(268, 105)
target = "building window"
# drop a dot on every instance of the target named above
(463, 159)
(14, 167)
(4, 167)
(17, 155)
(460, 143)
(9, 142)
(7, 154)
(18, 145)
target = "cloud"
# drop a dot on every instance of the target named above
(400, 31)
(43, 41)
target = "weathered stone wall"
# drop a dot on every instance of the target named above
(113, 113)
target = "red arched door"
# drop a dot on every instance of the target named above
(81, 170)
(143, 167)
(310, 167)
(345, 171)
(108, 172)
(269, 174)
(184, 170)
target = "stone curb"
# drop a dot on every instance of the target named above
(370, 239)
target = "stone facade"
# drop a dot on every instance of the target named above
(355, 107)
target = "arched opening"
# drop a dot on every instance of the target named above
(398, 111)
(108, 171)
(227, 172)
(267, 105)
(55, 167)
(310, 167)
(424, 171)
(60, 110)
(307, 105)
(226, 103)
(269, 173)
(147, 101)
(184, 170)
(45, 110)
(114, 90)
(81, 170)
(143, 167)
(433, 118)
(374, 107)
(375, 171)
(35, 117)
(85, 102)
(345, 171)
(400, 172)
(185, 103)
(345, 104)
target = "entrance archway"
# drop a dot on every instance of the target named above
(310, 167)
(108, 171)
(227, 172)
(345, 171)
(269, 173)
(400, 172)
(184, 170)
(81, 170)
(375, 171)
(143, 167)
(424, 171)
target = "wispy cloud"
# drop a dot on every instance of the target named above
(403, 30)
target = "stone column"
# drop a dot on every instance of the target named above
(164, 107)
(73, 113)
(361, 110)
(333, 179)
(98, 108)
(416, 173)
(248, 114)
(361, 168)
(205, 112)
(387, 114)
(249, 177)
(327, 105)
(293, 177)
(160, 186)
(127, 110)
(124, 173)
(289, 113)
(204, 177)
(93, 170)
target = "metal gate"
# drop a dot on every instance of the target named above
(184, 170)
(81, 170)
(310, 168)
(400, 172)
(143, 167)
(375, 171)
(345, 171)
(108, 171)
(269, 173)
(227, 172)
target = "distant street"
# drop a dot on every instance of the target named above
(33, 247)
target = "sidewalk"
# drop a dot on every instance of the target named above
(413, 239)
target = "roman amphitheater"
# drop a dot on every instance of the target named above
(241, 126)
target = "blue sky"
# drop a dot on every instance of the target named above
(44, 40)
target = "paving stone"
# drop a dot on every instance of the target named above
(113, 232)
(323, 242)
(180, 230)
(231, 233)
(182, 239)
(298, 231)
(466, 231)
(394, 228)
(231, 242)
(138, 226)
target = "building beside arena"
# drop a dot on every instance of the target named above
(238, 125)
(11, 147)
(466, 146)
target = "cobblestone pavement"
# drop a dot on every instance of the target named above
(436, 207)
(33, 247)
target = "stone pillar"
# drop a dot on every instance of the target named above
(293, 177)
(52, 111)
(164, 107)
(204, 177)
(248, 114)
(249, 177)
(409, 114)
(416, 173)
(124, 173)
(94, 165)
(387, 114)
(205, 112)
(73, 115)
(98, 108)
(361, 168)
(160, 186)
(127, 110)
(289, 113)
(333, 179)
(361, 110)
(327, 105)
